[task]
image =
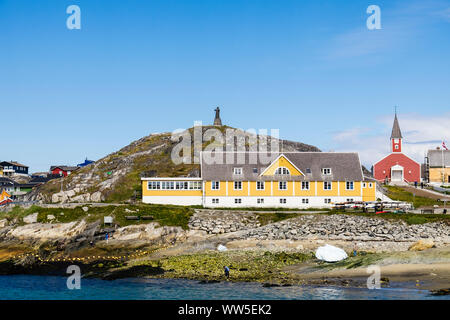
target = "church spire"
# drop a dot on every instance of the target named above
(396, 136)
(396, 133)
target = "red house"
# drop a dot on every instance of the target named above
(62, 170)
(397, 167)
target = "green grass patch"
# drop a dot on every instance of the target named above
(399, 194)
(164, 215)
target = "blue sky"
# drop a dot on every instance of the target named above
(311, 69)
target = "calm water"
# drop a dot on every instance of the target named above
(49, 287)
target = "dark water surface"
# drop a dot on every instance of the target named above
(50, 287)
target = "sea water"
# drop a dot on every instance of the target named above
(52, 287)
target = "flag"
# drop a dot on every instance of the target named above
(444, 146)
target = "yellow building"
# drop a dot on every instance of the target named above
(438, 166)
(246, 179)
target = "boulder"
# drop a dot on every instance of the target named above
(422, 245)
(32, 218)
(70, 193)
(96, 197)
(3, 223)
(50, 217)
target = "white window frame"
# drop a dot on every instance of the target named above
(213, 185)
(305, 200)
(240, 185)
(237, 200)
(259, 183)
(347, 185)
(327, 200)
(156, 185)
(282, 182)
(370, 185)
(215, 200)
(326, 171)
(237, 171)
(260, 200)
(283, 201)
(326, 183)
(305, 183)
(284, 171)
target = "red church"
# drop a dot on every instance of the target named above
(396, 167)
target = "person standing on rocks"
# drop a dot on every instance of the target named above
(227, 272)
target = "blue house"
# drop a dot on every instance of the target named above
(85, 163)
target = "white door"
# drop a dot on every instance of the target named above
(397, 175)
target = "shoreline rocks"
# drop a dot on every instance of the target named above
(220, 221)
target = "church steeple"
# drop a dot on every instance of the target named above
(396, 136)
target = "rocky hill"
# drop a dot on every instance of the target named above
(116, 177)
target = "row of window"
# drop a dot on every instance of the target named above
(282, 185)
(174, 185)
(215, 185)
(282, 200)
(282, 171)
(12, 168)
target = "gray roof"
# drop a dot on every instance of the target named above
(344, 166)
(64, 168)
(435, 158)
(396, 133)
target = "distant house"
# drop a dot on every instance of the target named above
(7, 184)
(85, 163)
(62, 170)
(17, 190)
(438, 166)
(12, 168)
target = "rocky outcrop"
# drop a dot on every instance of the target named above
(47, 231)
(217, 222)
(151, 232)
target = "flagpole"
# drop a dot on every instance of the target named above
(443, 168)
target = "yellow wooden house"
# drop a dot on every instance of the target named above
(246, 179)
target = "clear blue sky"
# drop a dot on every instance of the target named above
(309, 68)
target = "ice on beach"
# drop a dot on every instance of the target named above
(330, 253)
(221, 248)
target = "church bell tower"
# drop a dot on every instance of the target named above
(396, 136)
